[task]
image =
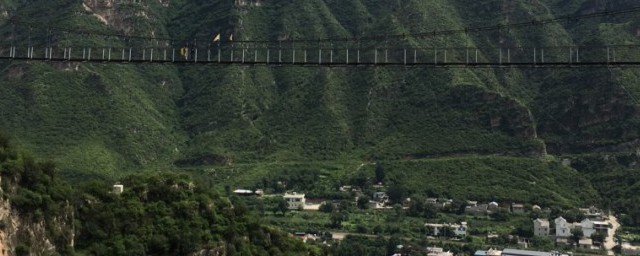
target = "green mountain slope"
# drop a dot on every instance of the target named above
(106, 119)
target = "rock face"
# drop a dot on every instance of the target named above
(20, 234)
(123, 15)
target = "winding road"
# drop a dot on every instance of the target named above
(610, 242)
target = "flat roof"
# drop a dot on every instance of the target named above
(516, 252)
(295, 195)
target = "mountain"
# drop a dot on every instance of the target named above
(156, 213)
(103, 120)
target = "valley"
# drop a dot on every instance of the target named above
(181, 137)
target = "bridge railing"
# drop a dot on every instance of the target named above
(303, 55)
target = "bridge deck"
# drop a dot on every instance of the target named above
(432, 57)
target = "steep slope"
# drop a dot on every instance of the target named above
(103, 118)
(324, 113)
(156, 214)
(99, 119)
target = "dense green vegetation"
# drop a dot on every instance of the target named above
(477, 134)
(617, 179)
(507, 179)
(157, 214)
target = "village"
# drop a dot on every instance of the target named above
(588, 231)
(544, 231)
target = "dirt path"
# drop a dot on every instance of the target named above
(610, 243)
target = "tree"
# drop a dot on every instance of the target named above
(501, 215)
(430, 211)
(416, 208)
(543, 243)
(598, 237)
(283, 206)
(573, 215)
(397, 193)
(326, 207)
(337, 217)
(576, 235)
(379, 173)
(363, 202)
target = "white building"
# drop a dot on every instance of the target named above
(440, 229)
(517, 208)
(563, 228)
(118, 189)
(438, 251)
(590, 227)
(294, 200)
(540, 227)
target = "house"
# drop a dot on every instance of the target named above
(540, 227)
(563, 229)
(536, 208)
(515, 252)
(590, 227)
(517, 208)
(380, 196)
(493, 206)
(118, 189)
(440, 229)
(476, 209)
(294, 200)
(592, 213)
(406, 202)
(431, 201)
(585, 243)
(472, 203)
(438, 251)
(490, 252)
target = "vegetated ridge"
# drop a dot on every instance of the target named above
(102, 120)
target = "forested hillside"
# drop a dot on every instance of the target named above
(158, 214)
(462, 133)
(107, 120)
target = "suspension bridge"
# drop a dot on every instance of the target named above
(245, 54)
(23, 41)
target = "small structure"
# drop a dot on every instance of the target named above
(438, 251)
(517, 208)
(585, 243)
(440, 229)
(536, 208)
(540, 227)
(118, 189)
(490, 252)
(563, 228)
(515, 252)
(590, 227)
(493, 206)
(380, 196)
(294, 200)
(592, 213)
(476, 209)
(244, 192)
